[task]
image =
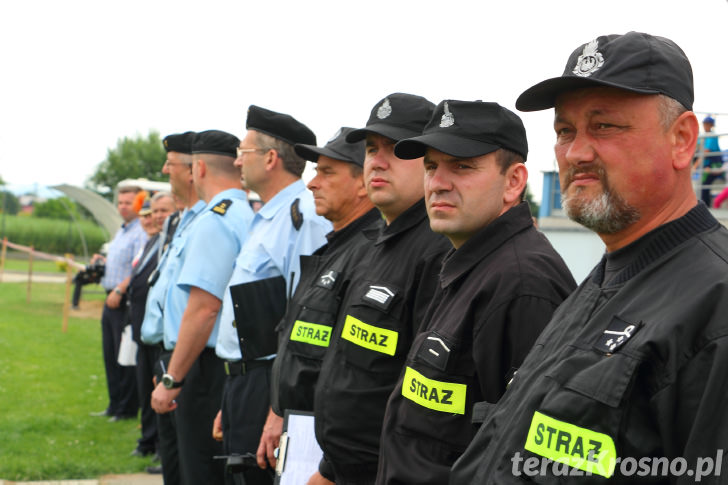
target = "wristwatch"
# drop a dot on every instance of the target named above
(117, 291)
(169, 382)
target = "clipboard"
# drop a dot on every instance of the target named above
(299, 453)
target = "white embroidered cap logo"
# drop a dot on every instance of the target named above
(447, 117)
(384, 110)
(589, 61)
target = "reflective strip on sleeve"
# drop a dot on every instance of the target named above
(311, 333)
(447, 397)
(575, 446)
(369, 336)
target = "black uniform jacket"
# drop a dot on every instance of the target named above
(634, 369)
(382, 310)
(496, 294)
(305, 331)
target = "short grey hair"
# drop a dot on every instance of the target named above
(161, 195)
(292, 162)
(669, 110)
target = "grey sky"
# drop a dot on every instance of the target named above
(78, 75)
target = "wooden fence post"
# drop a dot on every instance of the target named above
(67, 300)
(2, 257)
(30, 274)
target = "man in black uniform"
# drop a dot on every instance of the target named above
(383, 307)
(305, 332)
(630, 374)
(497, 288)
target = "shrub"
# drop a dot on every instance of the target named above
(54, 236)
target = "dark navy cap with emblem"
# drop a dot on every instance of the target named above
(637, 62)
(216, 142)
(278, 125)
(397, 116)
(337, 148)
(146, 208)
(179, 142)
(467, 129)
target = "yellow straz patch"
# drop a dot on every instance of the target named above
(369, 336)
(311, 333)
(447, 397)
(575, 446)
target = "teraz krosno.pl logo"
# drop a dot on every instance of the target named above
(625, 466)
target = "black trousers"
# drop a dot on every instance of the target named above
(246, 401)
(147, 357)
(120, 380)
(167, 432)
(197, 405)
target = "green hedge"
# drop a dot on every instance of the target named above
(52, 235)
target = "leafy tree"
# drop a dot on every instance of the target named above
(138, 157)
(56, 209)
(9, 203)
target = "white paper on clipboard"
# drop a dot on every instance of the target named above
(299, 454)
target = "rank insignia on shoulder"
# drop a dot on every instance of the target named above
(327, 279)
(296, 215)
(379, 296)
(617, 333)
(221, 207)
(435, 350)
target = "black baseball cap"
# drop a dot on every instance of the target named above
(216, 142)
(336, 148)
(278, 125)
(179, 142)
(467, 129)
(398, 116)
(637, 62)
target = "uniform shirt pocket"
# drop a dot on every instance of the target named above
(604, 378)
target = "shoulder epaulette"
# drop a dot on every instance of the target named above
(296, 215)
(222, 207)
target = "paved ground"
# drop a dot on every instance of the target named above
(21, 277)
(136, 479)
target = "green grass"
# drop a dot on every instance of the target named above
(49, 383)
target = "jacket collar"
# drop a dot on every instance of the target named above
(488, 239)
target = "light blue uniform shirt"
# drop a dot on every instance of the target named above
(273, 248)
(206, 260)
(153, 324)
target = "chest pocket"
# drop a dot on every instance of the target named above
(579, 419)
(310, 334)
(371, 334)
(601, 378)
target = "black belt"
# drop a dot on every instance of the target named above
(240, 368)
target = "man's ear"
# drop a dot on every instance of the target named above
(361, 187)
(201, 167)
(271, 160)
(684, 136)
(515, 183)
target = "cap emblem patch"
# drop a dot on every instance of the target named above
(589, 61)
(384, 110)
(447, 118)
